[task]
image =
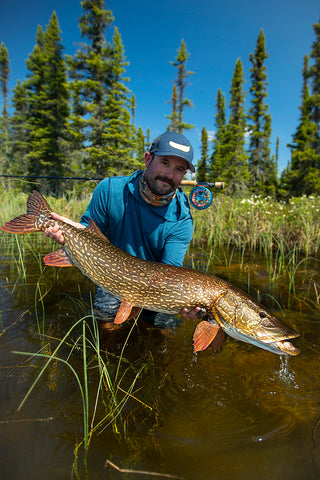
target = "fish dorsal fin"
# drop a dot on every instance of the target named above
(204, 334)
(59, 258)
(126, 312)
(92, 227)
(36, 204)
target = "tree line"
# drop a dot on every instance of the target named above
(75, 116)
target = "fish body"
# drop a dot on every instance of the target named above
(156, 286)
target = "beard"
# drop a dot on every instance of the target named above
(159, 188)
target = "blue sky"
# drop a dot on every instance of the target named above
(216, 33)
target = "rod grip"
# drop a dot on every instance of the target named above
(194, 183)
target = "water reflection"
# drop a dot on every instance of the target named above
(236, 414)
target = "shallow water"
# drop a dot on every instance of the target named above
(239, 414)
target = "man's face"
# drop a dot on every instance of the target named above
(164, 174)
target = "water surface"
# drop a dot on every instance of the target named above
(242, 413)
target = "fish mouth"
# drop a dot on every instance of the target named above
(285, 347)
(280, 345)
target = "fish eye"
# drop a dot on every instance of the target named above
(262, 314)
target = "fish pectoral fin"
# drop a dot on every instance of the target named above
(126, 312)
(59, 258)
(204, 334)
(218, 341)
(134, 312)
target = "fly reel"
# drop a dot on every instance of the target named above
(200, 196)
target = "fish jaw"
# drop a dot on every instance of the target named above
(280, 347)
(286, 348)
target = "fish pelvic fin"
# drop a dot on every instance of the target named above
(205, 334)
(59, 258)
(28, 222)
(126, 312)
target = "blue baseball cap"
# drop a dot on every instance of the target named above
(175, 145)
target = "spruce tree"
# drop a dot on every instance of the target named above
(18, 131)
(302, 175)
(118, 135)
(218, 161)
(4, 125)
(174, 122)
(133, 108)
(90, 74)
(203, 163)
(236, 159)
(35, 123)
(261, 166)
(140, 148)
(48, 111)
(179, 101)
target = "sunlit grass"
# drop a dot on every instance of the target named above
(260, 224)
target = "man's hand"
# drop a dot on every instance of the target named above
(190, 314)
(55, 232)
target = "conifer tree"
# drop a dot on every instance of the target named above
(4, 125)
(218, 164)
(302, 175)
(203, 163)
(179, 101)
(174, 122)
(236, 159)
(147, 140)
(18, 131)
(140, 148)
(118, 135)
(261, 166)
(48, 111)
(90, 74)
(133, 108)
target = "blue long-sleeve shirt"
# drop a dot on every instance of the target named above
(160, 234)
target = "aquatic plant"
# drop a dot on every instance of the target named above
(109, 387)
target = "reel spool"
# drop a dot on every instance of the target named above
(200, 197)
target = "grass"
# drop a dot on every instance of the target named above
(260, 224)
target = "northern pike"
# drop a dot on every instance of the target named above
(158, 287)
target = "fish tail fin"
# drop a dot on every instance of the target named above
(22, 224)
(36, 204)
(29, 222)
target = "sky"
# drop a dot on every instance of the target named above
(216, 34)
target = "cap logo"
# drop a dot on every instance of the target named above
(178, 146)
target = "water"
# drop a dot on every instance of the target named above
(239, 414)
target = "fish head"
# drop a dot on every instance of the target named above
(245, 319)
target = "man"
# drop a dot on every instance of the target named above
(145, 214)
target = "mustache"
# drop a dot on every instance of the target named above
(165, 179)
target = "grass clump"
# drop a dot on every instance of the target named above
(260, 224)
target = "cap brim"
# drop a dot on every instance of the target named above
(174, 154)
(191, 167)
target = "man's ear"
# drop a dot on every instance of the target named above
(147, 159)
